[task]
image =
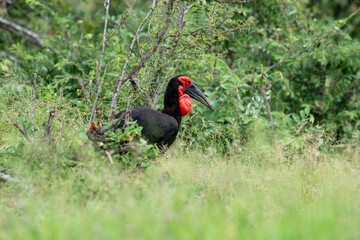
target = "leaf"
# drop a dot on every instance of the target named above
(296, 117)
(302, 114)
(287, 141)
(312, 118)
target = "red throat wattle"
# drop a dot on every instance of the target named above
(184, 99)
(184, 103)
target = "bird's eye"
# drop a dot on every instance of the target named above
(187, 83)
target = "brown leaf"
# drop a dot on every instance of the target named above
(91, 127)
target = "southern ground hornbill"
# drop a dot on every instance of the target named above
(162, 127)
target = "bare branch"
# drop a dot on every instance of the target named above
(22, 131)
(92, 117)
(48, 129)
(122, 79)
(180, 26)
(300, 128)
(121, 22)
(196, 33)
(39, 130)
(123, 149)
(97, 134)
(109, 157)
(21, 31)
(115, 123)
(11, 57)
(24, 127)
(181, 22)
(136, 37)
(98, 86)
(86, 93)
(107, 6)
(33, 95)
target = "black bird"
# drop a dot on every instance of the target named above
(162, 127)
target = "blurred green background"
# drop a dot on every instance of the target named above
(233, 173)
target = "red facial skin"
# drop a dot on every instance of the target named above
(184, 99)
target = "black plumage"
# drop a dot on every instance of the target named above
(162, 127)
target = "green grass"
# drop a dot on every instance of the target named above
(259, 191)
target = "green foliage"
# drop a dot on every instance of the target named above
(311, 63)
(339, 9)
(303, 53)
(232, 171)
(139, 153)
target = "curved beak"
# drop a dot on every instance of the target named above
(194, 92)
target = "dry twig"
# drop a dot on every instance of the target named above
(121, 22)
(124, 149)
(22, 131)
(196, 33)
(115, 123)
(107, 6)
(86, 93)
(122, 79)
(180, 26)
(92, 117)
(300, 129)
(33, 95)
(21, 31)
(48, 130)
(109, 157)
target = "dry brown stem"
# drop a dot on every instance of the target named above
(133, 71)
(86, 93)
(93, 112)
(300, 129)
(48, 130)
(107, 6)
(180, 25)
(33, 95)
(109, 157)
(115, 123)
(121, 22)
(22, 131)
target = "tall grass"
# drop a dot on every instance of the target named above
(258, 191)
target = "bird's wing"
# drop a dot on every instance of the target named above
(158, 127)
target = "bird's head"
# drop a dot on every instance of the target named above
(180, 90)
